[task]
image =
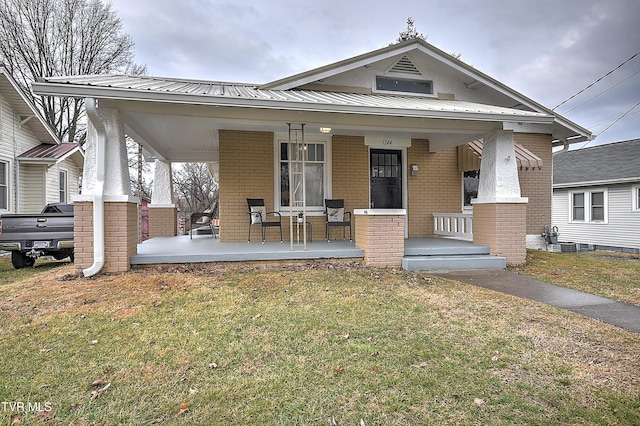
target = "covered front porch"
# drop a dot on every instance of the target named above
(419, 253)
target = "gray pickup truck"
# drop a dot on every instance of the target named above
(29, 236)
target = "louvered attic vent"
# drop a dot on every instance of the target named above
(405, 66)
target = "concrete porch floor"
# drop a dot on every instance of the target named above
(204, 248)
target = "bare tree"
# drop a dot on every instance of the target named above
(48, 38)
(195, 188)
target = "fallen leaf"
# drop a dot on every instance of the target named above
(374, 369)
(45, 351)
(479, 401)
(423, 364)
(98, 393)
(212, 365)
(184, 407)
(346, 336)
(16, 419)
(99, 383)
(257, 317)
(46, 415)
(193, 391)
(338, 369)
(495, 356)
(94, 342)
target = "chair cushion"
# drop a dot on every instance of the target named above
(257, 214)
(335, 214)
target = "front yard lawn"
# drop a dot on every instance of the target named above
(311, 344)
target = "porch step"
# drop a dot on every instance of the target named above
(458, 262)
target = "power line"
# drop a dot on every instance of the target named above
(595, 82)
(619, 118)
(602, 93)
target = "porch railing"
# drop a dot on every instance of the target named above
(454, 225)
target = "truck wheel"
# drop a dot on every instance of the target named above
(20, 260)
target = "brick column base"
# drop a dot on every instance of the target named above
(502, 227)
(381, 234)
(163, 221)
(121, 235)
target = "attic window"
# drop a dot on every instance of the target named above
(404, 85)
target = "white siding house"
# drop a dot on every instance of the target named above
(35, 168)
(596, 196)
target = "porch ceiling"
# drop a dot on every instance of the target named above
(189, 133)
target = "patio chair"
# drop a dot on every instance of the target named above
(203, 219)
(258, 216)
(336, 216)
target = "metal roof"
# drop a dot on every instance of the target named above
(48, 153)
(127, 87)
(609, 163)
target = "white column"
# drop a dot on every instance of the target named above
(499, 170)
(116, 165)
(162, 185)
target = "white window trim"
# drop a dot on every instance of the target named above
(635, 198)
(8, 184)
(587, 206)
(374, 85)
(66, 185)
(328, 182)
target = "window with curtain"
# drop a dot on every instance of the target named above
(315, 166)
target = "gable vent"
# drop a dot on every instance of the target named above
(405, 66)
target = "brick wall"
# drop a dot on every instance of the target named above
(350, 177)
(121, 235)
(436, 188)
(163, 222)
(246, 171)
(537, 184)
(382, 238)
(503, 228)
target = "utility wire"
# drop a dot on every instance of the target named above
(598, 80)
(570, 154)
(602, 93)
(619, 118)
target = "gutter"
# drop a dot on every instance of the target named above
(91, 105)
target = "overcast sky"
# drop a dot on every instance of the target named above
(546, 49)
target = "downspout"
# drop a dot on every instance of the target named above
(98, 191)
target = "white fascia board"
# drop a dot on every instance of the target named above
(54, 89)
(596, 183)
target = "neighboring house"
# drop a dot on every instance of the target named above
(596, 196)
(35, 168)
(417, 143)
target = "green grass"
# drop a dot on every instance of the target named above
(304, 345)
(604, 274)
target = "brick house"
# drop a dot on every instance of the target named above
(416, 142)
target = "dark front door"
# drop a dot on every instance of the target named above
(386, 179)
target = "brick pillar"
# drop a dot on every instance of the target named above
(163, 221)
(121, 235)
(502, 227)
(380, 232)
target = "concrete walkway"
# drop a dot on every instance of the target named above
(621, 314)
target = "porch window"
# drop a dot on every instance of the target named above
(63, 186)
(4, 185)
(470, 182)
(315, 166)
